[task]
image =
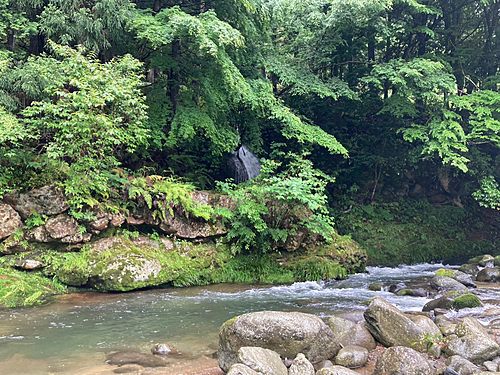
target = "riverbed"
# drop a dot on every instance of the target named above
(73, 333)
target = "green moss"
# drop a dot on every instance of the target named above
(375, 287)
(475, 259)
(406, 292)
(445, 272)
(466, 300)
(19, 288)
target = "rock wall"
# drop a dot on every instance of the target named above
(95, 251)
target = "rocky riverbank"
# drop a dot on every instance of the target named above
(45, 248)
(456, 333)
(381, 340)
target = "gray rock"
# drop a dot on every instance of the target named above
(28, 264)
(339, 326)
(263, 361)
(144, 360)
(492, 366)
(470, 269)
(336, 370)
(443, 302)
(443, 321)
(461, 365)
(324, 364)
(465, 279)
(301, 366)
(352, 356)
(392, 328)
(287, 333)
(401, 360)
(394, 288)
(489, 274)
(445, 284)
(448, 330)
(47, 200)
(487, 258)
(472, 342)
(10, 220)
(354, 316)
(360, 336)
(164, 349)
(240, 369)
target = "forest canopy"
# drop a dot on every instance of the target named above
(375, 93)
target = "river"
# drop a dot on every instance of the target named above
(72, 334)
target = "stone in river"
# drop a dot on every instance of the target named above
(144, 360)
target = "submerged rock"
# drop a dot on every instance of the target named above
(287, 333)
(126, 358)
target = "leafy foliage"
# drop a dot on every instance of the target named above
(273, 208)
(94, 114)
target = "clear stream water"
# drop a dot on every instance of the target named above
(72, 334)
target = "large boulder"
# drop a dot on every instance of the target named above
(391, 327)
(47, 200)
(445, 284)
(287, 333)
(472, 343)
(10, 220)
(457, 275)
(401, 360)
(263, 361)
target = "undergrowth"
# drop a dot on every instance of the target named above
(413, 231)
(19, 288)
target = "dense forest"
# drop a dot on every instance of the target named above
(382, 117)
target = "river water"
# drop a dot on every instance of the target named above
(72, 334)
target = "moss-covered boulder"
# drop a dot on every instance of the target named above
(457, 275)
(466, 300)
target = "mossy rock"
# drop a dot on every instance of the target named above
(445, 272)
(375, 287)
(496, 261)
(406, 292)
(466, 301)
(475, 260)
